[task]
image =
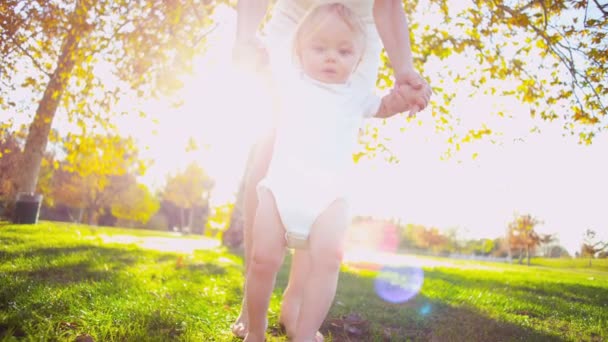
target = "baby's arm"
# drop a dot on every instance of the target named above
(401, 99)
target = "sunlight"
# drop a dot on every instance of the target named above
(223, 110)
(164, 244)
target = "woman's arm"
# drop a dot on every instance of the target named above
(250, 14)
(248, 50)
(392, 27)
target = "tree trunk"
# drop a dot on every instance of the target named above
(528, 254)
(521, 256)
(181, 219)
(40, 127)
(191, 219)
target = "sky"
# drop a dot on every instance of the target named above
(545, 174)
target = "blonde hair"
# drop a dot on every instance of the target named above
(313, 21)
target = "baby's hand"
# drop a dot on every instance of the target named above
(250, 54)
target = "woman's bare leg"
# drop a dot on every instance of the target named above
(267, 253)
(260, 158)
(326, 252)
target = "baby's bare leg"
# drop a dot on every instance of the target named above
(326, 251)
(292, 297)
(267, 252)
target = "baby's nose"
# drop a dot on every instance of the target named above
(331, 56)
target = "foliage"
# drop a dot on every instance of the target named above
(82, 56)
(592, 246)
(10, 151)
(136, 203)
(521, 235)
(555, 53)
(188, 189)
(98, 172)
(219, 219)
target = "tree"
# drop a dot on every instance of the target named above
(92, 175)
(521, 235)
(188, 190)
(136, 203)
(63, 44)
(591, 246)
(555, 53)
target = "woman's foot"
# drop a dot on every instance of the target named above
(254, 338)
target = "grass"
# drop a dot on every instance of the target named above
(61, 282)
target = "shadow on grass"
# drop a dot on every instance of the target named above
(47, 283)
(358, 314)
(207, 268)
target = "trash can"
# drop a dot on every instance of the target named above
(27, 208)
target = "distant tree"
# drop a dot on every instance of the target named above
(89, 178)
(136, 203)
(431, 239)
(188, 190)
(522, 236)
(592, 246)
(557, 252)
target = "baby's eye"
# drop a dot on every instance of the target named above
(345, 52)
(318, 48)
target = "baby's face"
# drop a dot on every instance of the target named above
(331, 54)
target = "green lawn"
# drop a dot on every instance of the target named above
(67, 282)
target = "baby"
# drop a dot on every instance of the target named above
(301, 199)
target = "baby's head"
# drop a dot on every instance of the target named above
(329, 43)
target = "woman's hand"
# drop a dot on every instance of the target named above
(419, 91)
(250, 54)
(405, 98)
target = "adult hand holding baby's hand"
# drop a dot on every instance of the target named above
(417, 91)
(405, 98)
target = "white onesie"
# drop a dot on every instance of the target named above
(316, 135)
(319, 124)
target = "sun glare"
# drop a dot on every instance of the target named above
(223, 111)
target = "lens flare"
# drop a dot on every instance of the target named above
(399, 284)
(425, 310)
